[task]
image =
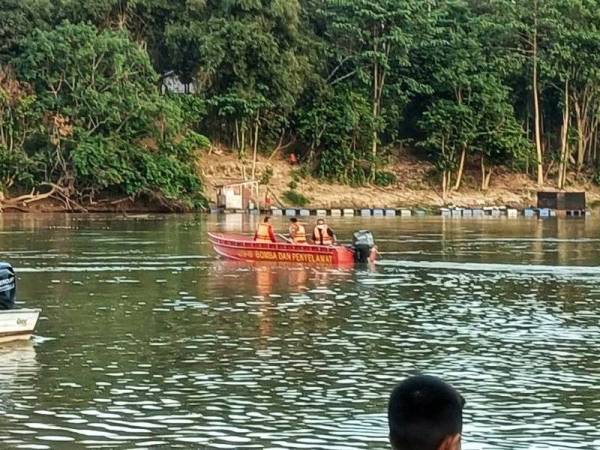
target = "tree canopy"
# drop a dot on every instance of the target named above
(342, 83)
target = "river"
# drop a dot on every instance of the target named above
(148, 340)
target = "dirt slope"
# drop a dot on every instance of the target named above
(414, 187)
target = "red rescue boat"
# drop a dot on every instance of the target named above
(244, 248)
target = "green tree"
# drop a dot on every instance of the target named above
(106, 126)
(242, 57)
(337, 125)
(470, 112)
(18, 18)
(370, 45)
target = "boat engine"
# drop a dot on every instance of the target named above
(362, 243)
(8, 286)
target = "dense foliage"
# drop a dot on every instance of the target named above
(342, 83)
(81, 112)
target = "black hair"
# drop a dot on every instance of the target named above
(266, 219)
(422, 412)
(293, 220)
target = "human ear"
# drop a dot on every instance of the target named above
(450, 443)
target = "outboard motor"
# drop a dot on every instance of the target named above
(8, 286)
(362, 243)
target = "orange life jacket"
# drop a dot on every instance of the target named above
(262, 233)
(321, 235)
(298, 233)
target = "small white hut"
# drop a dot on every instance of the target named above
(241, 195)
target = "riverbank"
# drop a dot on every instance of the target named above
(56, 204)
(415, 186)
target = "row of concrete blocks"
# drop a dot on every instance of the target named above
(509, 212)
(347, 212)
(479, 212)
(444, 212)
(546, 212)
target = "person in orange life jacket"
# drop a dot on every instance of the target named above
(297, 231)
(264, 232)
(323, 234)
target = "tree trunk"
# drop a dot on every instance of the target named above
(488, 178)
(444, 177)
(237, 135)
(536, 104)
(243, 143)
(375, 136)
(482, 172)
(379, 74)
(256, 126)
(486, 174)
(564, 144)
(461, 168)
(580, 136)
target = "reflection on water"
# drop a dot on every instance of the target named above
(148, 340)
(17, 366)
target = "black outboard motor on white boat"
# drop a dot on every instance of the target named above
(8, 286)
(362, 243)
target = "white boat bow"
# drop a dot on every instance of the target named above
(17, 324)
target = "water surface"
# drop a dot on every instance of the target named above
(148, 340)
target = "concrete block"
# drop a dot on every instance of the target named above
(321, 212)
(529, 212)
(378, 213)
(512, 213)
(348, 212)
(290, 212)
(588, 214)
(496, 212)
(364, 213)
(478, 212)
(277, 212)
(304, 212)
(544, 212)
(552, 213)
(405, 213)
(336, 213)
(445, 212)
(468, 212)
(390, 213)
(420, 212)
(456, 212)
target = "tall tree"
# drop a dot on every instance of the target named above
(370, 45)
(105, 126)
(242, 57)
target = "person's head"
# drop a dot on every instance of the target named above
(267, 219)
(424, 413)
(320, 221)
(293, 220)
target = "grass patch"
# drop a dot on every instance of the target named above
(295, 198)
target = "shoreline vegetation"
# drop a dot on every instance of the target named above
(112, 105)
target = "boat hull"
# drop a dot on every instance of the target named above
(242, 248)
(17, 324)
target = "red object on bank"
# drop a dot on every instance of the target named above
(243, 248)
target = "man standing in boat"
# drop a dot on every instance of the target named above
(264, 232)
(323, 234)
(297, 232)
